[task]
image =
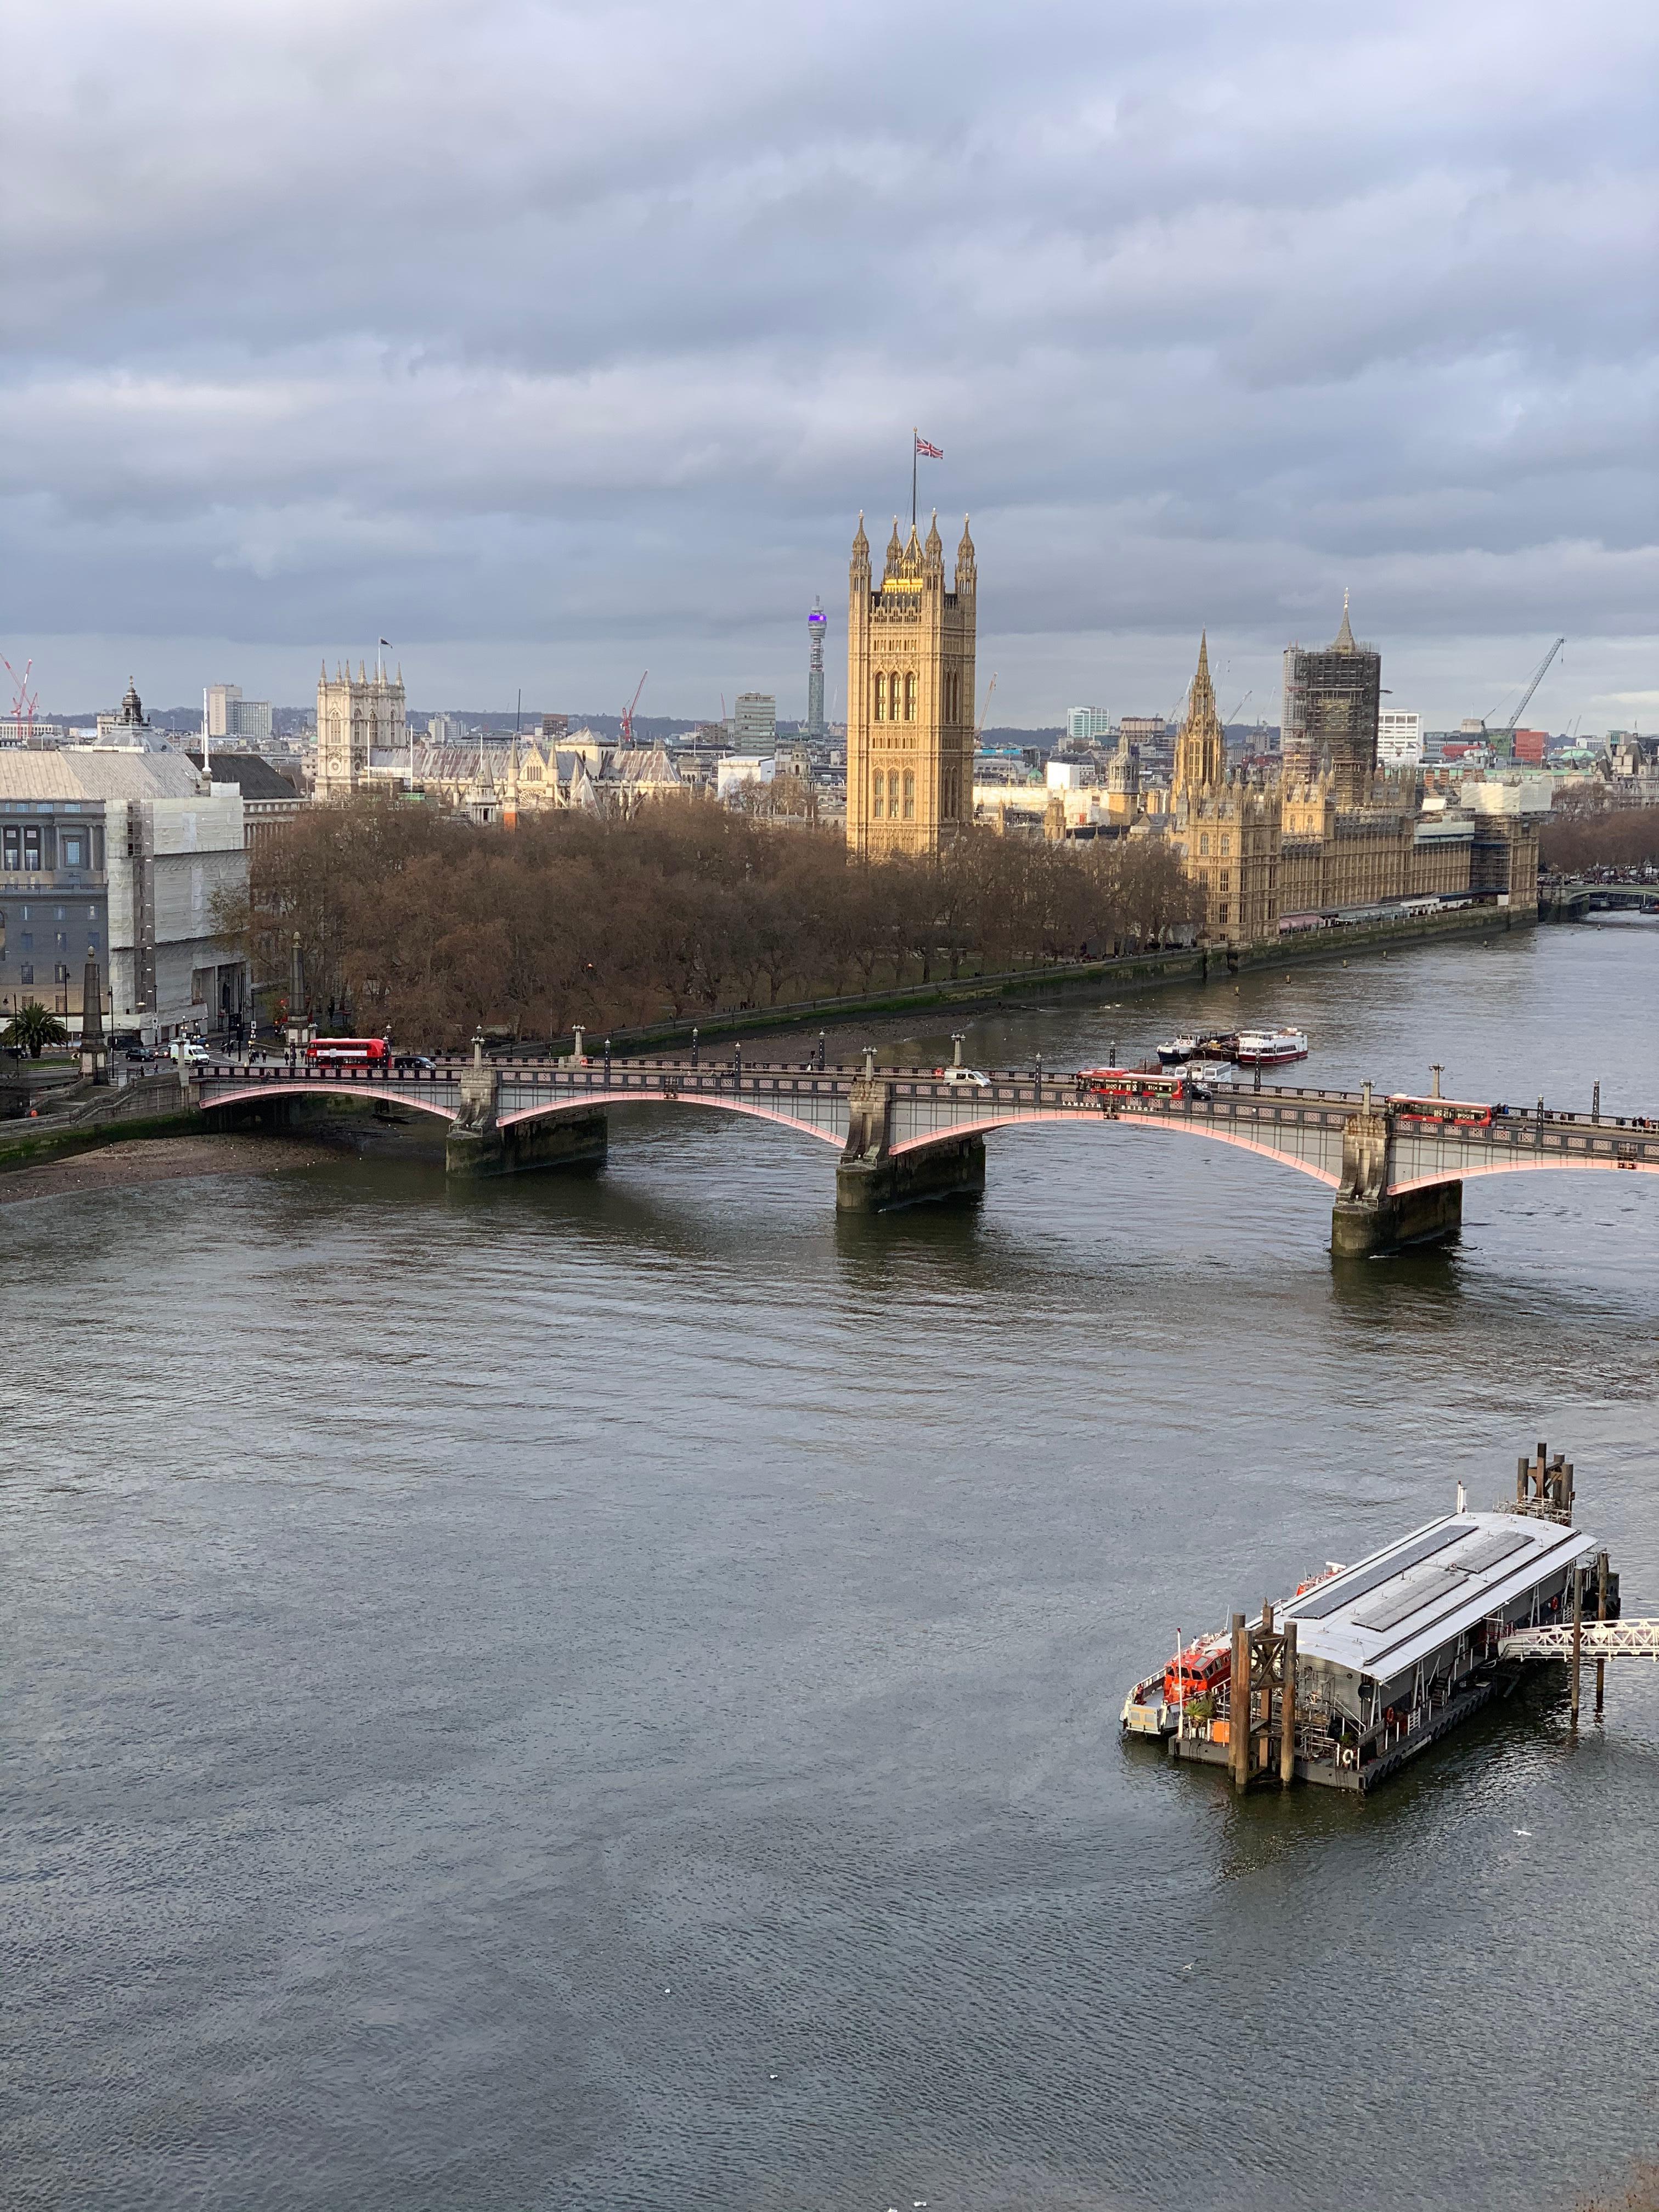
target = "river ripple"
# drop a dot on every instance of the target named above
(603, 1692)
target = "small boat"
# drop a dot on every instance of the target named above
(1270, 1048)
(1215, 1044)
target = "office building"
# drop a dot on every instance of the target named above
(231, 717)
(754, 721)
(1399, 737)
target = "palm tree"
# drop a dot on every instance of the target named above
(32, 1028)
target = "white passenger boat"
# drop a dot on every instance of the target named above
(1270, 1048)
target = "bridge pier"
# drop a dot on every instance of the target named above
(1368, 1216)
(579, 1140)
(870, 1178)
(478, 1146)
(1361, 1227)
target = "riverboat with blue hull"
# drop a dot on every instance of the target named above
(1367, 1665)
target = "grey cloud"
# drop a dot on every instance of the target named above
(574, 329)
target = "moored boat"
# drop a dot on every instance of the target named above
(1269, 1048)
(1214, 1045)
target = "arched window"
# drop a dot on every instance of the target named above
(881, 698)
(909, 791)
(876, 793)
(892, 795)
(1226, 847)
(1204, 846)
(909, 698)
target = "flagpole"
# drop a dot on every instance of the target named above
(914, 448)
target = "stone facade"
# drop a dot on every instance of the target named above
(910, 696)
(357, 716)
(1264, 847)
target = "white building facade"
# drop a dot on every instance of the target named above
(1399, 737)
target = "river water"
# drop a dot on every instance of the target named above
(602, 1692)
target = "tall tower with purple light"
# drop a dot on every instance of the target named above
(815, 628)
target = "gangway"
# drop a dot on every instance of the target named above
(1597, 1639)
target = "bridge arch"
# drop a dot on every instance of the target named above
(379, 1094)
(1173, 1125)
(591, 1101)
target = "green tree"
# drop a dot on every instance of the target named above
(31, 1029)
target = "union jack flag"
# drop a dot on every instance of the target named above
(928, 452)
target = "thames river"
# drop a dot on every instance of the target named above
(602, 1692)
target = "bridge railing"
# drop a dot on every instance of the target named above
(1515, 1129)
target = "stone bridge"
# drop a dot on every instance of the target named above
(1570, 898)
(902, 1134)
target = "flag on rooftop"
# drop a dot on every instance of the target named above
(928, 452)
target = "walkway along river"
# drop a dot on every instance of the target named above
(603, 1691)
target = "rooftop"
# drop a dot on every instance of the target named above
(1396, 1606)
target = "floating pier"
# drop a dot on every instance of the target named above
(1367, 1665)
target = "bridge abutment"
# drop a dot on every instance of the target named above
(871, 1178)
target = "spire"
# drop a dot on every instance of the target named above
(1344, 641)
(935, 542)
(1201, 752)
(895, 551)
(1203, 690)
(860, 543)
(967, 567)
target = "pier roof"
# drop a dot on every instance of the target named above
(1399, 1604)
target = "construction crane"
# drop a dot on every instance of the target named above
(24, 702)
(980, 731)
(1526, 696)
(628, 716)
(1237, 710)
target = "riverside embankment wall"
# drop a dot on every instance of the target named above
(1144, 971)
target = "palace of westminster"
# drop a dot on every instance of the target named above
(1328, 829)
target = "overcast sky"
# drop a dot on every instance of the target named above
(557, 343)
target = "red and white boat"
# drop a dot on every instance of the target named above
(1270, 1048)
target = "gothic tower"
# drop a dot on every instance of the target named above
(909, 697)
(1201, 750)
(357, 716)
(1328, 724)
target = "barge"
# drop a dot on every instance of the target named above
(1367, 1665)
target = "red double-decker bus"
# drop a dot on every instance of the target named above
(1447, 1113)
(1151, 1085)
(349, 1052)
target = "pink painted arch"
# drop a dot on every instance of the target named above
(590, 1101)
(326, 1090)
(1178, 1127)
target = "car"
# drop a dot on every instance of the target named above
(975, 1075)
(414, 1063)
